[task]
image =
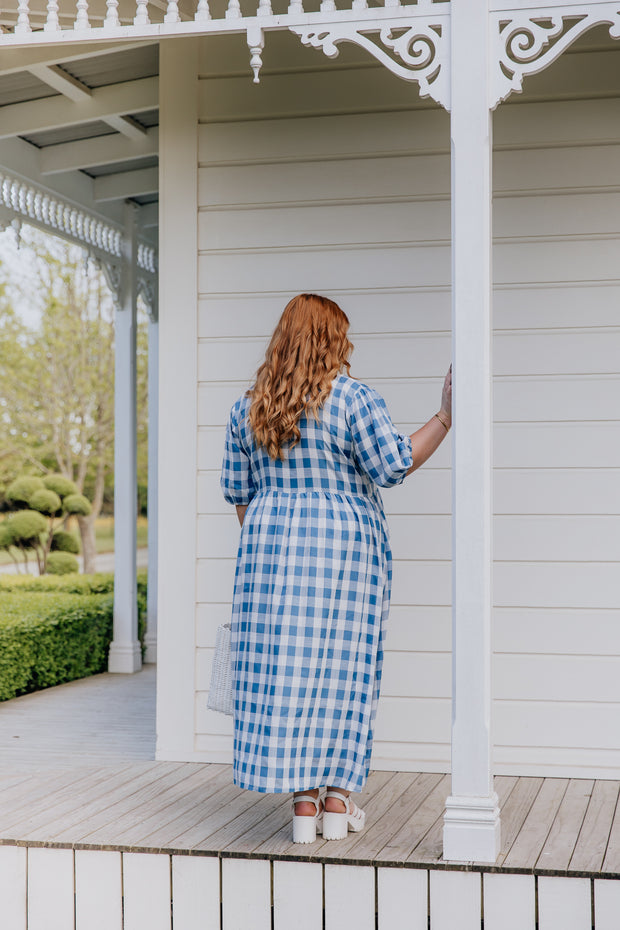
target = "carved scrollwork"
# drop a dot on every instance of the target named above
(527, 44)
(417, 51)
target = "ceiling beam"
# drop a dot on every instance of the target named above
(14, 60)
(102, 150)
(127, 126)
(126, 184)
(64, 83)
(55, 112)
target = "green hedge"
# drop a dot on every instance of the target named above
(55, 629)
(49, 638)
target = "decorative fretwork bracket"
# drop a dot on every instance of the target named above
(412, 46)
(525, 43)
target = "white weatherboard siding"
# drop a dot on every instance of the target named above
(326, 181)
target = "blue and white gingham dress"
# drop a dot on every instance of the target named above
(312, 591)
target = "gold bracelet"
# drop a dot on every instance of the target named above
(443, 423)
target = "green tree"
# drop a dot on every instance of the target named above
(60, 407)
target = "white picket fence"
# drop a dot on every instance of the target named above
(44, 888)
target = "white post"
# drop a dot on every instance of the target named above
(125, 654)
(471, 824)
(150, 638)
(178, 379)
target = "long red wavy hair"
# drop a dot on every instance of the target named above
(309, 347)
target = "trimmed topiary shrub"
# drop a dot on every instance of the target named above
(61, 485)
(21, 490)
(62, 563)
(45, 501)
(62, 541)
(49, 638)
(77, 504)
(27, 524)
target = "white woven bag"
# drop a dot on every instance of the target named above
(220, 693)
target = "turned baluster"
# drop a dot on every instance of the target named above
(234, 9)
(295, 7)
(81, 20)
(328, 6)
(142, 16)
(23, 19)
(172, 12)
(52, 23)
(202, 11)
(111, 17)
(264, 8)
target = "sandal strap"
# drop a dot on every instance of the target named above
(307, 797)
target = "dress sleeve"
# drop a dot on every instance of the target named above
(380, 451)
(236, 478)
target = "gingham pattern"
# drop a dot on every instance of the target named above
(311, 592)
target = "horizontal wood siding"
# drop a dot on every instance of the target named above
(303, 188)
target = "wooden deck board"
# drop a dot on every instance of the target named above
(591, 845)
(89, 788)
(533, 835)
(562, 839)
(517, 806)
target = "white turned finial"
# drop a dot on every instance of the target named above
(111, 17)
(202, 11)
(142, 16)
(264, 8)
(363, 4)
(234, 9)
(81, 20)
(172, 12)
(256, 44)
(23, 19)
(328, 6)
(295, 7)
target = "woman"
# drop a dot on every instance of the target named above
(307, 448)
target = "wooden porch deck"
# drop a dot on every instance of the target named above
(77, 771)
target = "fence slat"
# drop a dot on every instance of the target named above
(196, 892)
(98, 890)
(455, 900)
(564, 903)
(606, 904)
(146, 888)
(403, 899)
(349, 897)
(509, 902)
(246, 894)
(50, 889)
(292, 882)
(13, 887)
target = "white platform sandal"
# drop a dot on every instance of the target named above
(336, 826)
(305, 829)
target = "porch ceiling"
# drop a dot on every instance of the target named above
(82, 123)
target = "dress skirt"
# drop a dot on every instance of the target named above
(311, 596)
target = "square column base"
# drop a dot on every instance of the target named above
(125, 658)
(471, 831)
(150, 648)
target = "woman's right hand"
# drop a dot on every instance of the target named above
(446, 395)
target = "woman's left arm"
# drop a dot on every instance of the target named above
(430, 436)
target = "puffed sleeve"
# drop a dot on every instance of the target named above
(236, 477)
(380, 451)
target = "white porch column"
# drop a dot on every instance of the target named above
(150, 638)
(471, 824)
(125, 653)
